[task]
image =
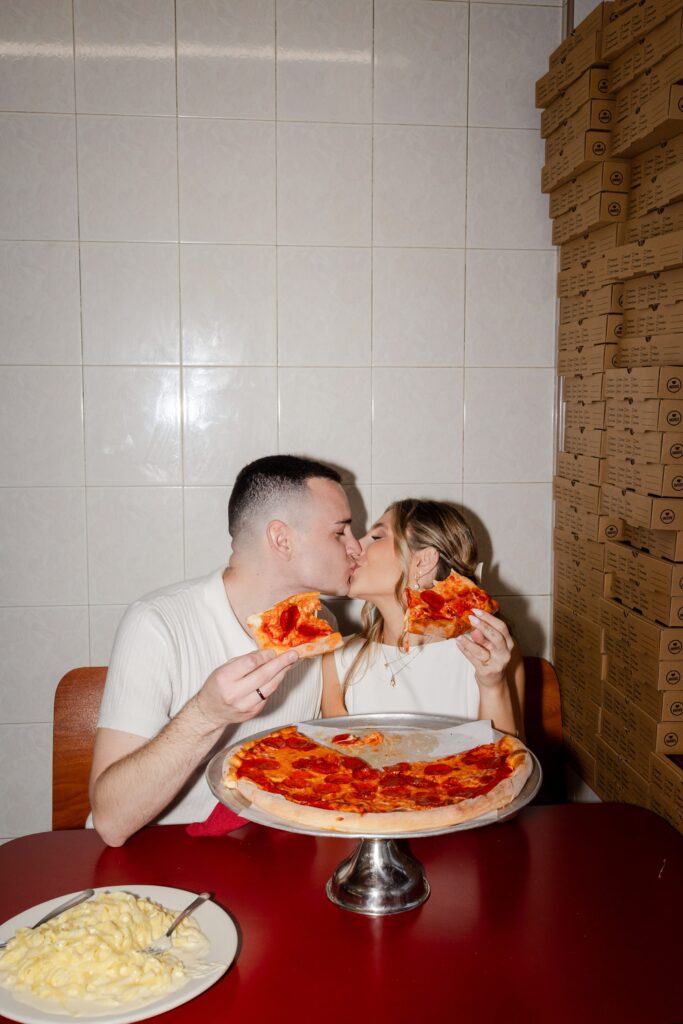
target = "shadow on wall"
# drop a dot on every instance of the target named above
(521, 624)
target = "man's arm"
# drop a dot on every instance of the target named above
(134, 779)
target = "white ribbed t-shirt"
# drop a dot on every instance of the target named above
(167, 645)
(434, 679)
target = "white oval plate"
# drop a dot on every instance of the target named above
(216, 924)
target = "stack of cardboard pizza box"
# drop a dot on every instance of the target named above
(612, 120)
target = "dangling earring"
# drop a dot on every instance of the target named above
(416, 584)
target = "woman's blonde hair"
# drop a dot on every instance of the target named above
(417, 524)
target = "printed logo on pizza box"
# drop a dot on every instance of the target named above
(677, 485)
(676, 451)
(667, 516)
(611, 532)
(675, 647)
(673, 385)
(599, 149)
(605, 116)
(614, 209)
(616, 178)
(603, 85)
(673, 677)
(673, 418)
(670, 739)
(677, 708)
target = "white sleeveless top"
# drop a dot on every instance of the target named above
(434, 679)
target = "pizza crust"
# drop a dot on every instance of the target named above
(397, 823)
(310, 649)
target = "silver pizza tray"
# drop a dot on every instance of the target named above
(404, 722)
(381, 876)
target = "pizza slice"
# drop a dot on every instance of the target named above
(443, 609)
(294, 622)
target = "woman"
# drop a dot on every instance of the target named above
(478, 675)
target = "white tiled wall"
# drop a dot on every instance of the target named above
(232, 227)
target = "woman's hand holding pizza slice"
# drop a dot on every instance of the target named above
(488, 647)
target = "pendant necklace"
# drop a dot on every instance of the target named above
(396, 661)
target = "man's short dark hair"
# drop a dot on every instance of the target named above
(269, 478)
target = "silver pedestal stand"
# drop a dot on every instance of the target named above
(380, 877)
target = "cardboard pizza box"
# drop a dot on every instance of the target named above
(653, 161)
(581, 721)
(579, 759)
(659, 222)
(669, 738)
(580, 279)
(590, 553)
(666, 676)
(656, 191)
(595, 115)
(586, 359)
(583, 441)
(593, 330)
(662, 289)
(586, 525)
(645, 477)
(623, 626)
(585, 468)
(647, 52)
(643, 414)
(592, 23)
(580, 388)
(619, 34)
(640, 691)
(583, 598)
(585, 633)
(641, 509)
(662, 253)
(591, 147)
(654, 319)
(577, 576)
(593, 84)
(656, 607)
(590, 246)
(586, 54)
(607, 299)
(628, 745)
(631, 717)
(650, 80)
(602, 208)
(660, 118)
(646, 570)
(664, 447)
(651, 351)
(666, 810)
(617, 779)
(666, 775)
(662, 543)
(577, 670)
(610, 176)
(584, 414)
(645, 381)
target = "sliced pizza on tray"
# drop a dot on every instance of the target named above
(444, 608)
(294, 623)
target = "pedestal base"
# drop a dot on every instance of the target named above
(380, 877)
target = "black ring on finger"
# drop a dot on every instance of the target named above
(260, 694)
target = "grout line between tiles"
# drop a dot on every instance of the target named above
(86, 524)
(181, 365)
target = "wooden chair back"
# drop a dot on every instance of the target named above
(543, 727)
(77, 704)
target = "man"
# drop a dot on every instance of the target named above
(185, 677)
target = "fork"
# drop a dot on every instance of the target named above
(164, 943)
(61, 909)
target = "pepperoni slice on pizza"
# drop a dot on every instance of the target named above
(292, 623)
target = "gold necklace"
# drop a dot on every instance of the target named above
(388, 664)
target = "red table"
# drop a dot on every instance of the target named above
(566, 914)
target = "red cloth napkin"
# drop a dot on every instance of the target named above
(221, 821)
